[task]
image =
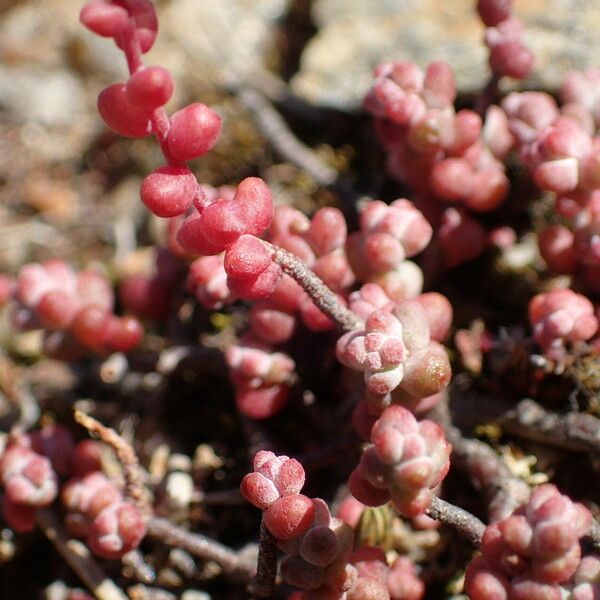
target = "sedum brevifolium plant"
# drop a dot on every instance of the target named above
(358, 291)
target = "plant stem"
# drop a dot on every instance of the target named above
(320, 294)
(263, 584)
(202, 547)
(461, 520)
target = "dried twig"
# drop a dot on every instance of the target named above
(487, 471)
(78, 557)
(579, 432)
(278, 92)
(272, 125)
(134, 478)
(319, 293)
(263, 584)
(198, 545)
(503, 491)
(464, 522)
(277, 132)
(573, 431)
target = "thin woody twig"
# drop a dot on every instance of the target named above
(134, 479)
(201, 546)
(263, 584)
(275, 129)
(78, 557)
(278, 92)
(503, 491)
(464, 522)
(573, 431)
(487, 471)
(319, 293)
(280, 136)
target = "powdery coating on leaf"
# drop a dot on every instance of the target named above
(406, 459)
(207, 280)
(116, 530)
(395, 94)
(150, 87)
(273, 477)
(439, 152)
(509, 55)
(75, 309)
(169, 191)
(582, 88)
(223, 221)
(193, 131)
(254, 363)
(401, 221)
(532, 552)
(395, 349)
(529, 113)
(379, 351)
(561, 316)
(369, 298)
(271, 324)
(28, 478)
(289, 516)
(121, 115)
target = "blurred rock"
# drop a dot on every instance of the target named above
(195, 595)
(198, 37)
(179, 489)
(51, 98)
(55, 198)
(355, 36)
(44, 50)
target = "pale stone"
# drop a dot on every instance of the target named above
(337, 64)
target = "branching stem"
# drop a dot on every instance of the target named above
(201, 546)
(319, 293)
(263, 584)
(134, 478)
(464, 522)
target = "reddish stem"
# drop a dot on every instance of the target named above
(131, 48)
(159, 118)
